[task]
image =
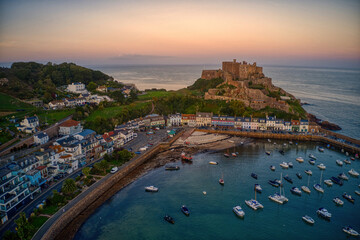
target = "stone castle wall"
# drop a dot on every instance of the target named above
(211, 74)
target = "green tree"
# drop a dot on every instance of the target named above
(86, 171)
(69, 186)
(10, 235)
(92, 86)
(24, 228)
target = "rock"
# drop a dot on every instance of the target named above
(324, 124)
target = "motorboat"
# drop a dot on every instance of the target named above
(349, 230)
(282, 152)
(238, 211)
(312, 156)
(296, 191)
(169, 219)
(213, 163)
(357, 192)
(204, 192)
(278, 198)
(291, 165)
(272, 168)
(291, 143)
(254, 175)
(308, 172)
(287, 178)
(300, 159)
(343, 176)
(273, 183)
(338, 201)
(337, 181)
(321, 149)
(318, 188)
(285, 144)
(353, 173)
(284, 165)
(151, 189)
(185, 210)
(221, 181)
(226, 155)
(321, 166)
(305, 189)
(324, 213)
(258, 188)
(254, 204)
(328, 182)
(348, 197)
(234, 154)
(186, 158)
(299, 175)
(278, 181)
(312, 161)
(308, 219)
(347, 161)
(268, 152)
(269, 140)
(172, 168)
(352, 159)
(339, 162)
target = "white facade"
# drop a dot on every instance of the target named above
(76, 88)
(41, 138)
(174, 119)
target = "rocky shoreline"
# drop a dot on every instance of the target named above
(324, 124)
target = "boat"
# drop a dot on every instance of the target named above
(299, 175)
(287, 178)
(328, 182)
(323, 212)
(234, 154)
(278, 198)
(352, 158)
(336, 181)
(172, 168)
(347, 161)
(291, 143)
(151, 189)
(291, 165)
(284, 165)
(295, 191)
(226, 155)
(169, 219)
(338, 201)
(348, 197)
(238, 211)
(269, 140)
(213, 163)
(343, 176)
(305, 189)
(284, 144)
(312, 156)
(349, 230)
(185, 210)
(258, 188)
(357, 192)
(353, 173)
(272, 168)
(308, 219)
(254, 175)
(278, 181)
(254, 204)
(184, 157)
(347, 154)
(273, 183)
(300, 159)
(308, 172)
(282, 152)
(321, 149)
(230, 141)
(321, 166)
(268, 152)
(312, 162)
(339, 162)
(221, 181)
(204, 192)
(318, 188)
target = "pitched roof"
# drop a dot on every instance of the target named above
(69, 123)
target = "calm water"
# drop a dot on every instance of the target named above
(133, 213)
(332, 93)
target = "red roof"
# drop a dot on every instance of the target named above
(69, 123)
(40, 167)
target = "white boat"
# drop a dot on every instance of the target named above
(151, 189)
(353, 173)
(284, 165)
(258, 188)
(296, 191)
(299, 159)
(230, 141)
(339, 162)
(233, 154)
(321, 149)
(318, 188)
(291, 165)
(254, 204)
(269, 140)
(338, 201)
(321, 166)
(238, 211)
(268, 152)
(305, 189)
(272, 168)
(347, 161)
(328, 182)
(343, 176)
(357, 192)
(204, 192)
(323, 212)
(308, 172)
(278, 198)
(308, 219)
(312, 156)
(349, 230)
(291, 143)
(213, 163)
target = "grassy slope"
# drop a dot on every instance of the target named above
(8, 103)
(151, 94)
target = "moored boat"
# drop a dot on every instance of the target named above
(312, 156)
(349, 230)
(268, 152)
(324, 213)
(312, 161)
(353, 173)
(299, 175)
(151, 189)
(169, 219)
(282, 152)
(321, 166)
(254, 204)
(291, 165)
(328, 182)
(339, 162)
(226, 155)
(185, 210)
(336, 181)
(272, 168)
(287, 178)
(352, 158)
(305, 189)
(296, 191)
(321, 149)
(221, 181)
(184, 157)
(308, 219)
(357, 192)
(347, 161)
(284, 165)
(338, 201)
(254, 175)
(278, 198)
(172, 168)
(213, 163)
(273, 183)
(318, 188)
(308, 172)
(258, 188)
(234, 154)
(343, 176)
(300, 159)
(239, 211)
(348, 197)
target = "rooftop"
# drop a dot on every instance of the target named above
(69, 123)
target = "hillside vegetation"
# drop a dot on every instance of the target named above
(204, 85)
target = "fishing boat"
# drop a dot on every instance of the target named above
(278, 198)
(321, 149)
(328, 182)
(268, 152)
(299, 175)
(312, 156)
(339, 162)
(308, 219)
(282, 152)
(300, 159)
(273, 183)
(185, 210)
(254, 175)
(213, 163)
(284, 165)
(357, 192)
(343, 176)
(321, 166)
(272, 168)
(347, 161)
(186, 158)
(349, 230)
(324, 213)
(312, 162)
(258, 188)
(291, 165)
(254, 204)
(172, 168)
(308, 172)
(151, 189)
(348, 197)
(169, 219)
(296, 191)
(336, 181)
(238, 211)
(353, 173)
(338, 201)
(306, 189)
(287, 178)
(318, 188)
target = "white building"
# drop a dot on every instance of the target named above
(270, 123)
(77, 88)
(174, 119)
(41, 138)
(304, 125)
(70, 127)
(279, 124)
(29, 124)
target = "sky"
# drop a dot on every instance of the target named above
(297, 33)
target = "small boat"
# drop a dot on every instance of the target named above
(278, 181)
(357, 192)
(321, 166)
(272, 168)
(204, 192)
(278, 198)
(274, 143)
(151, 189)
(336, 181)
(291, 165)
(226, 155)
(230, 141)
(273, 183)
(258, 188)
(221, 181)
(308, 219)
(269, 140)
(347, 161)
(254, 175)
(284, 165)
(299, 175)
(291, 143)
(185, 210)
(268, 152)
(296, 191)
(347, 154)
(323, 212)
(305, 189)
(339, 162)
(308, 172)
(343, 176)
(300, 159)
(348, 197)
(321, 149)
(349, 230)
(169, 219)
(254, 204)
(328, 182)
(312, 162)
(172, 168)
(238, 211)
(338, 201)
(213, 163)
(353, 173)
(282, 152)
(312, 156)
(285, 144)
(318, 188)
(234, 154)
(184, 157)
(287, 178)
(352, 159)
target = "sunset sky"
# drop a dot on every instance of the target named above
(321, 33)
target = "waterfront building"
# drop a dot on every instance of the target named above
(254, 124)
(262, 124)
(188, 120)
(247, 123)
(295, 125)
(203, 119)
(270, 123)
(156, 120)
(304, 125)
(223, 121)
(174, 119)
(287, 126)
(238, 123)
(70, 127)
(279, 125)
(313, 127)
(41, 138)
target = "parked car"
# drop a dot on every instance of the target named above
(114, 170)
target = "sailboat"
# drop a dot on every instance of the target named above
(317, 186)
(221, 180)
(306, 188)
(254, 204)
(278, 198)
